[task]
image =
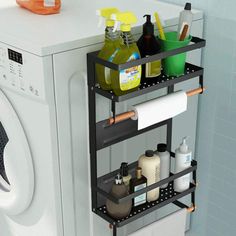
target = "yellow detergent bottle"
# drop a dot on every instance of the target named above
(110, 48)
(128, 80)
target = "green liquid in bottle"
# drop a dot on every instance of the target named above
(108, 52)
(126, 80)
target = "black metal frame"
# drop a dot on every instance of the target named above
(102, 135)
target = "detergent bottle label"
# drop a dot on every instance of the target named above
(153, 69)
(130, 78)
(108, 70)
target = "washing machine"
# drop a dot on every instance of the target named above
(44, 147)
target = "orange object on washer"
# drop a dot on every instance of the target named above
(43, 7)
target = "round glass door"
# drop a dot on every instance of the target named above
(4, 181)
(16, 165)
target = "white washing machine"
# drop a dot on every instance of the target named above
(30, 201)
(44, 152)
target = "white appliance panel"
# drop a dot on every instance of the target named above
(22, 72)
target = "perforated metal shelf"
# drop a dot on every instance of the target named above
(167, 196)
(162, 81)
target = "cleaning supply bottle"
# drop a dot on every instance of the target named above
(127, 80)
(126, 177)
(119, 190)
(186, 18)
(165, 162)
(150, 164)
(110, 48)
(42, 7)
(136, 184)
(183, 158)
(148, 45)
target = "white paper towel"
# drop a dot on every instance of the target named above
(160, 109)
(172, 225)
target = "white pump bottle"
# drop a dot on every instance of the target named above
(183, 158)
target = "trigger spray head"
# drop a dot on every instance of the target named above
(105, 13)
(126, 19)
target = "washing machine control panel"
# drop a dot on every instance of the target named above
(22, 71)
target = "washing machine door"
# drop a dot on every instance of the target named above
(16, 166)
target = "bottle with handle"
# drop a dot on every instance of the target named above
(186, 18)
(183, 158)
(42, 7)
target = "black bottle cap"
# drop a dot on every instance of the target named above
(148, 27)
(124, 169)
(149, 153)
(188, 6)
(161, 147)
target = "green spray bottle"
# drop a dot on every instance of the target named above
(128, 80)
(110, 48)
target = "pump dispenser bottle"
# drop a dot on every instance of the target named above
(110, 48)
(150, 164)
(186, 18)
(127, 80)
(126, 177)
(148, 45)
(183, 158)
(119, 190)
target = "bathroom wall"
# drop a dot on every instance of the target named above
(216, 138)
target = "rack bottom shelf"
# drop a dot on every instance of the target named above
(167, 196)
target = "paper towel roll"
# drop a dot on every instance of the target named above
(160, 109)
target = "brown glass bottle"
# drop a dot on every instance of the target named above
(149, 45)
(138, 183)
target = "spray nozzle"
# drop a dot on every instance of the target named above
(126, 19)
(106, 13)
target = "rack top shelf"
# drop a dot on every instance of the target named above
(162, 81)
(196, 43)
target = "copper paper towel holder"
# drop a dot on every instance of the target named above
(129, 114)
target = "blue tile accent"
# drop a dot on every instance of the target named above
(216, 136)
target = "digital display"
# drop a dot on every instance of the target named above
(15, 56)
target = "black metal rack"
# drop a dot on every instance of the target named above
(103, 135)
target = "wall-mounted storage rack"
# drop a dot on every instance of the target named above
(103, 135)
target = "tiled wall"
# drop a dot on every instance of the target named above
(216, 139)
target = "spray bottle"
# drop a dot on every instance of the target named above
(110, 48)
(183, 158)
(129, 79)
